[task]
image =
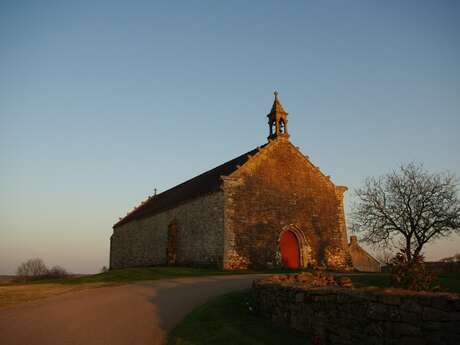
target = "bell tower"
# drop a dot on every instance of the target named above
(277, 120)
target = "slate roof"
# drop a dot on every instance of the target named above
(208, 182)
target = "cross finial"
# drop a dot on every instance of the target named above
(276, 94)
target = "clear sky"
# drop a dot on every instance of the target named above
(103, 101)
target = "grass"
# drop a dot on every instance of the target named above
(18, 292)
(448, 281)
(227, 320)
(14, 294)
(370, 279)
(128, 275)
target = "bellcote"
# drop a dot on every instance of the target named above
(277, 121)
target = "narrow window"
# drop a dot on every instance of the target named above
(171, 245)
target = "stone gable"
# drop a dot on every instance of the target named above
(275, 189)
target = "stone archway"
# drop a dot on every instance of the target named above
(294, 248)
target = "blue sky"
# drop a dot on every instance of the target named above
(103, 101)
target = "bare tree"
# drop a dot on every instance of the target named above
(384, 256)
(409, 206)
(32, 268)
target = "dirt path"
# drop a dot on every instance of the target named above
(136, 314)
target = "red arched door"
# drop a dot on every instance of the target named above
(289, 246)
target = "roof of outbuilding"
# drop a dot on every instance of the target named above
(208, 182)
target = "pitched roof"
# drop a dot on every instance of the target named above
(277, 107)
(208, 182)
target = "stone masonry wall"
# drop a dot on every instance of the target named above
(277, 188)
(345, 316)
(199, 237)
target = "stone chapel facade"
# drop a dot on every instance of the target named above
(269, 207)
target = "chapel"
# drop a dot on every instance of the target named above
(269, 207)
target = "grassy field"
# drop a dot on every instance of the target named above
(14, 294)
(228, 321)
(17, 292)
(129, 275)
(449, 282)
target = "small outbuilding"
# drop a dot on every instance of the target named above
(361, 259)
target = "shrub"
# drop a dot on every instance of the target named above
(57, 272)
(411, 274)
(104, 269)
(32, 268)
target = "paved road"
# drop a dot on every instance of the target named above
(136, 314)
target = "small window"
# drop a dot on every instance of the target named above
(171, 245)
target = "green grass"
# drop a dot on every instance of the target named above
(370, 279)
(227, 320)
(129, 275)
(450, 281)
(447, 281)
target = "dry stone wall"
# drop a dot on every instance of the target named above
(346, 316)
(199, 236)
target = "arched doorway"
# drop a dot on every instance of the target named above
(290, 251)
(295, 250)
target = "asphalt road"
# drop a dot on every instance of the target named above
(135, 314)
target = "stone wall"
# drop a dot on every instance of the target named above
(347, 316)
(361, 259)
(276, 189)
(199, 236)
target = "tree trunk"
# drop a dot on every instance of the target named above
(408, 249)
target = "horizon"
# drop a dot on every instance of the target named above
(103, 102)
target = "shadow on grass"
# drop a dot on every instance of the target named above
(228, 320)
